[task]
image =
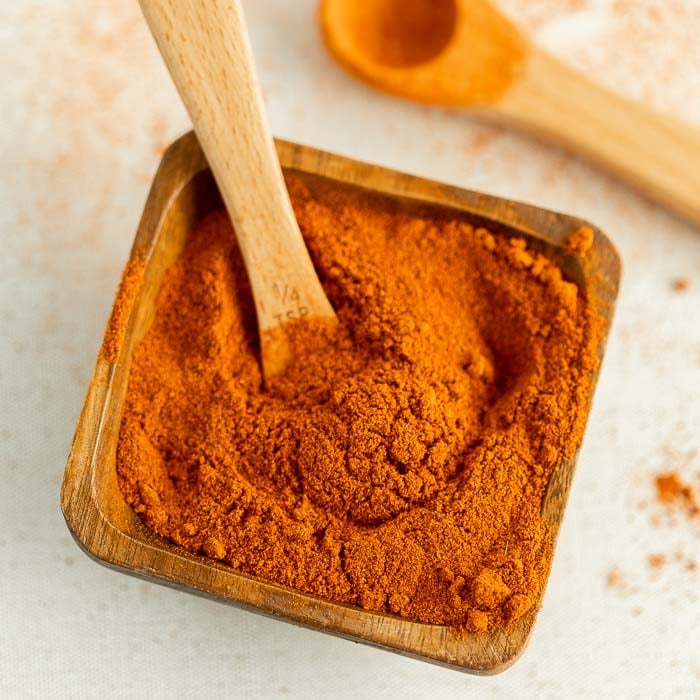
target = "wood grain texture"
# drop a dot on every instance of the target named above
(206, 47)
(656, 154)
(108, 530)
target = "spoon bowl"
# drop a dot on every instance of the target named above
(399, 36)
(417, 49)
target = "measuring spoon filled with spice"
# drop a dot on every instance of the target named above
(206, 47)
(465, 53)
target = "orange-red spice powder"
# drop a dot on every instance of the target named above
(401, 461)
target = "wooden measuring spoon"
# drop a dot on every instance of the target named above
(206, 47)
(466, 53)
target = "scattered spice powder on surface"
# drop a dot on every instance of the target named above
(672, 492)
(656, 561)
(614, 579)
(400, 462)
(680, 284)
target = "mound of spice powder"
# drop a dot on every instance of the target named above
(400, 462)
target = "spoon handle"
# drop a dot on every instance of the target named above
(206, 47)
(657, 154)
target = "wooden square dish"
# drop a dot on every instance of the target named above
(109, 531)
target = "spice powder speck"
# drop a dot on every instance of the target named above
(400, 462)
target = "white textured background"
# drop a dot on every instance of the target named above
(86, 110)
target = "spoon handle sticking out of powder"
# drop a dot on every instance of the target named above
(206, 47)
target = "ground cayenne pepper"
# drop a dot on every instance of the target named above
(672, 492)
(126, 295)
(400, 462)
